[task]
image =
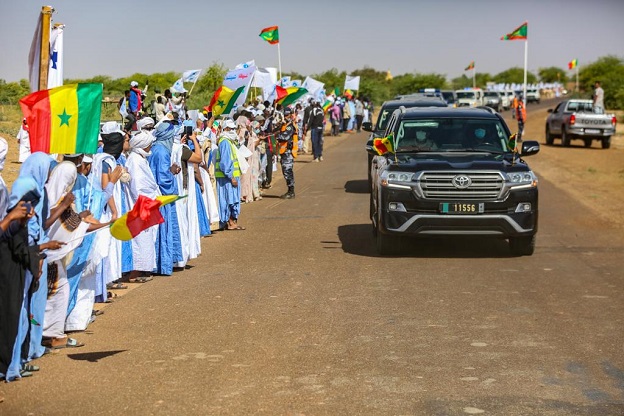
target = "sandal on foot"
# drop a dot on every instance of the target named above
(237, 228)
(69, 343)
(30, 368)
(116, 286)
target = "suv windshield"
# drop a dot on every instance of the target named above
(491, 94)
(451, 134)
(448, 97)
(465, 94)
(384, 117)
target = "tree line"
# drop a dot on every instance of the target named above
(374, 84)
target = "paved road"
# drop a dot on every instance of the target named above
(297, 315)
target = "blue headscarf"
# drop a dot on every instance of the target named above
(164, 135)
(24, 189)
(37, 166)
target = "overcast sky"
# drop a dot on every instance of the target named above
(122, 37)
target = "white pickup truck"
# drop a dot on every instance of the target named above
(470, 97)
(579, 119)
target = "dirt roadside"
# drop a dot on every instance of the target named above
(593, 176)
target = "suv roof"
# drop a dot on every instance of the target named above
(415, 101)
(461, 112)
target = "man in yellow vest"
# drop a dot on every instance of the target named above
(227, 173)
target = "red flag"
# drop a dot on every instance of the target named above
(280, 92)
(144, 214)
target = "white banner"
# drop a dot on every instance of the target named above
(240, 78)
(178, 86)
(55, 69)
(264, 77)
(352, 83)
(191, 75)
(313, 86)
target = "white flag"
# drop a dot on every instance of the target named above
(246, 65)
(123, 108)
(352, 83)
(55, 70)
(295, 83)
(191, 75)
(34, 58)
(178, 86)
(313, 86)
(285, 81)
(264, 77)
(240, 78)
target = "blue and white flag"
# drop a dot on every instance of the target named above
(55, 68)
(191, 75)
(178, 86)
(246, 65)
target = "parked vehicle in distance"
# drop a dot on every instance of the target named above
(470, 97)
(579, 120)
(450, 97)
(453, 174)
(533, 96)
(507, 98)
(494, 100)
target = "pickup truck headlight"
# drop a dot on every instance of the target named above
(394, 179)
(519, 180)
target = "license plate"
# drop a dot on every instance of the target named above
(462, 208)
(592, 131)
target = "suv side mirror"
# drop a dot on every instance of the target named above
(530, 147)
(367, 126)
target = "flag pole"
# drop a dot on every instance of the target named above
(196, 79)
(474, 82)
(44, 55)
(279, 62)
(526, 60)
(577, 87)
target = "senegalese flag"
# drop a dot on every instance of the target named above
(223, 100)
(64, 119)
(470, 66)
(348, 94)
(384, 145)
(573, 64)
(144, 214)
(270, 34)
(287, 96)
(518, 34)
(512, 142)
(327, 105)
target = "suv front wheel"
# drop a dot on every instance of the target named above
(522, 246)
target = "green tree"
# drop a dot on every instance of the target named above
(12, 92)
(609, 70)
(514, 76)
(481, 80)
(411, 83)
(552, 74)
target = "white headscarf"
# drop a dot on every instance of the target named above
(4, 148)
(140, 141)
(61, 182)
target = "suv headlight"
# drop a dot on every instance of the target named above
(519, 180)
(394, 179)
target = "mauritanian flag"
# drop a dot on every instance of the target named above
(573, 64)
(470, 66)
(64, 119)
(519, 33)
(287, 96)
(223, 100)
(144, 214)
(270, 34)
(384, 145)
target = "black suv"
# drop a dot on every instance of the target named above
(453, 173)
(384, 116)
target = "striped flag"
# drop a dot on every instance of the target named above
(573, 64)
(64, 119)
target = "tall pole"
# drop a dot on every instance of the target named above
(526, 61)
(279, 62)
(474, 82)
(44, 56)
(577, 87)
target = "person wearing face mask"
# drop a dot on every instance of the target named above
(424, 141)
(227, 172)
(142, 182)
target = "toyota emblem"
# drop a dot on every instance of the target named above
(462, 181)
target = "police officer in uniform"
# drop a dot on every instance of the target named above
(288, 137)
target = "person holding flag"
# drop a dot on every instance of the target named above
(227, 172)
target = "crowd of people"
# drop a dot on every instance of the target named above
(58, 256)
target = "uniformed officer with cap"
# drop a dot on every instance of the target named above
(288, 138)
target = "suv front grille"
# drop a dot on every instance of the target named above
(485, 186)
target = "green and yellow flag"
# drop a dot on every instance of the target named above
(383, 145)
(518, 34)
(270, 34)
(64, 119)
(223, 100)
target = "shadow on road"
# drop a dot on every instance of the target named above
(359, 186)
(358, 239)
(94, 357)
